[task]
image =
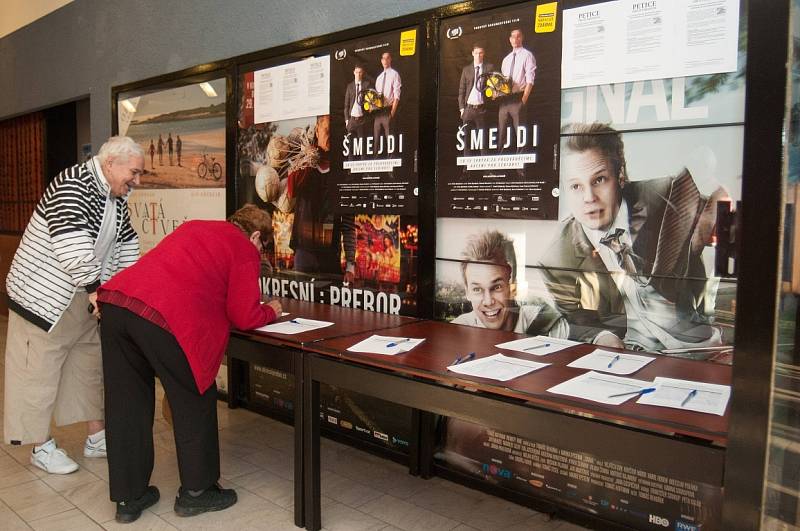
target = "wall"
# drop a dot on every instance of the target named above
(8, 246)
(89, 46)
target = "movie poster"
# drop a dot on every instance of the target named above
(661, 134)
(498, 113)
(630, 492)
(375, 123)
(182, 133)
(359, 260)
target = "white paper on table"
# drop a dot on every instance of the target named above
(381, 345)
(538, 345)
(671, 392)
(599, 359)
(294, 326)
(497, 367)
(599, 387)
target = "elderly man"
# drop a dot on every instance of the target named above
(79, 235)
(489, 274)
(625, 267)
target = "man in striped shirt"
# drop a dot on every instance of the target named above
(79, 235)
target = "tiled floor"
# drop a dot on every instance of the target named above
(360, 491)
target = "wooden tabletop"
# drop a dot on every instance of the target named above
(346, 321)
(444, 342)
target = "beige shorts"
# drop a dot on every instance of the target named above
(52, 376)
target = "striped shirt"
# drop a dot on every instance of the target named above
(56, 255)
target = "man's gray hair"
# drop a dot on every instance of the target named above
(119, 147)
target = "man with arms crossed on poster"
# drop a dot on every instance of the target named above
(354, 119)
(489, 273)
(470, 98)
(520, 67)
(389, 85)
(626, 267)
(79, 235)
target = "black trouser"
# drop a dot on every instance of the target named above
(134, 352)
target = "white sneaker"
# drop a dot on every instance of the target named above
(52, 459)
(95, 449)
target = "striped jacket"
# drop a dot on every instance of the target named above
(56, 255)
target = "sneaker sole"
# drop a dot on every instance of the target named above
(194, 511)
(94, 455)
(64, 473)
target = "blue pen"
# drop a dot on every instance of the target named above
(613, 361)
(456, 361)
(537, 346)
(691, 395)
(394, 344)
(468, 357)
(639, 392)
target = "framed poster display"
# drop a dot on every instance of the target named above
(182, 131)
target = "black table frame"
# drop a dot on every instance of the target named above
(286, 358)
(692, 459)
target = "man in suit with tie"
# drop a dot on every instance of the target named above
(520, 67)
(625, 267)
(354, 119)
(470, 97)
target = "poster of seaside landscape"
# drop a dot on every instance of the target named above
(182, 133)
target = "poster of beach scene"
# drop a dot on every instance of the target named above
(182, 133)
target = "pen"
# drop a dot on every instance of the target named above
(691, 394)
(463, 359)
(395, 343)
(639, 392)
(613, 361)
(537, 346)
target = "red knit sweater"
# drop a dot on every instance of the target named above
(203, 280)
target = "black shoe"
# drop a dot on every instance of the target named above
(130, 511)
(214, 498)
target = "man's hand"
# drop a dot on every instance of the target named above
(349, 277)
(276, 307)
(93, 302)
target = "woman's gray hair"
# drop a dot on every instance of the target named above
(119, 147)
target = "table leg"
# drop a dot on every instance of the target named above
(234, 381)
(311, 442)
(299, 418)
(427, 443)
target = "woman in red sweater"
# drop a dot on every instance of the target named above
(170, 316)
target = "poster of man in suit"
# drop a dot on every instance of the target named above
(625, 266)
(375, 123)
(498, 114)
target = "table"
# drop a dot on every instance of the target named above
(690, 445)
(285, 353)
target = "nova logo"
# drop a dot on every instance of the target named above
(340, 54)
(658, 520)
(454, 33)
(680, 525)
